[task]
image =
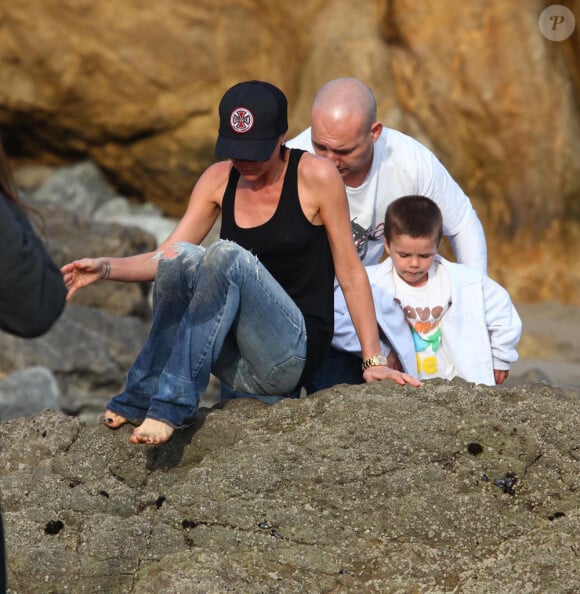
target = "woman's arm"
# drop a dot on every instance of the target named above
(325, 202)
(202, 211)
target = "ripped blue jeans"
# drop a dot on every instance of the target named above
(215, 310)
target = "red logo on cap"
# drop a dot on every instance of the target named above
(241, 120)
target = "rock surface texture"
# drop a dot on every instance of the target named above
(135, 87)
(376, 488)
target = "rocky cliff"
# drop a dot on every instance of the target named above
(135, 87)
(447, 488)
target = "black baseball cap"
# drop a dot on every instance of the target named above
(253, 116)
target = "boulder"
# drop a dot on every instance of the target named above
(452, 487)
(71, 236)
(27, 392)
(88, 351)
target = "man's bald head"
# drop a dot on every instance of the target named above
(344, 127)
(346, 98)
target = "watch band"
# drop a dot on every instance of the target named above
(374, 361)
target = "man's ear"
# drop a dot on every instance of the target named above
(376, 129)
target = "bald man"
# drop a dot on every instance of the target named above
(379, 165)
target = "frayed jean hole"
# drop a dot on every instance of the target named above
(173, 251)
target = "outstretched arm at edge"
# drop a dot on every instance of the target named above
(202, 211)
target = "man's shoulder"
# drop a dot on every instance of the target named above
(396, 143)
(302, 141)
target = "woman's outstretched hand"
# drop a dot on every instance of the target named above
(81, 273)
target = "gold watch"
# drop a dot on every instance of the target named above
(374, 361)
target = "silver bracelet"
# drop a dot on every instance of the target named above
(107, 269)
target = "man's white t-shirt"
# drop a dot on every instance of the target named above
(402, 167)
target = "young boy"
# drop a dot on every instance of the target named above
(440, 318)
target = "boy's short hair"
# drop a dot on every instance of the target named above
(417, 216)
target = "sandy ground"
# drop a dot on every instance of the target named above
(550, 345)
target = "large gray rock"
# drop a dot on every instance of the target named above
(375, 488)
(72, 237)
(81, 188)
(28, 392)
(89, 352)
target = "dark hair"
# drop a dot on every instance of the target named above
(9, 191)
(417, 216)
(7, 186)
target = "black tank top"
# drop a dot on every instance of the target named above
(297, 254)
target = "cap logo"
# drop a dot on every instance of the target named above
(241, 120)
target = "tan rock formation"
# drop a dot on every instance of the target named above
(135, 86)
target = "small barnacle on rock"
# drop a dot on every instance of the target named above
(54, 527)
(474, 448)
(556, 515)
(507, 483)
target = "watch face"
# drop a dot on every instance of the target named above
(379, 360)
(374, 361)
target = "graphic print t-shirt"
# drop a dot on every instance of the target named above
(424, 307)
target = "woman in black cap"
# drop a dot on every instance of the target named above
(255, 308)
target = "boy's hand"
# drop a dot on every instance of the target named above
(500, 375)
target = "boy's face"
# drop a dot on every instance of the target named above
(412, 257)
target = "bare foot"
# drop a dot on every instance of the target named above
(151, 432)
(113, 420)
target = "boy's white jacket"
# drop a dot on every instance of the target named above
(481, 328)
